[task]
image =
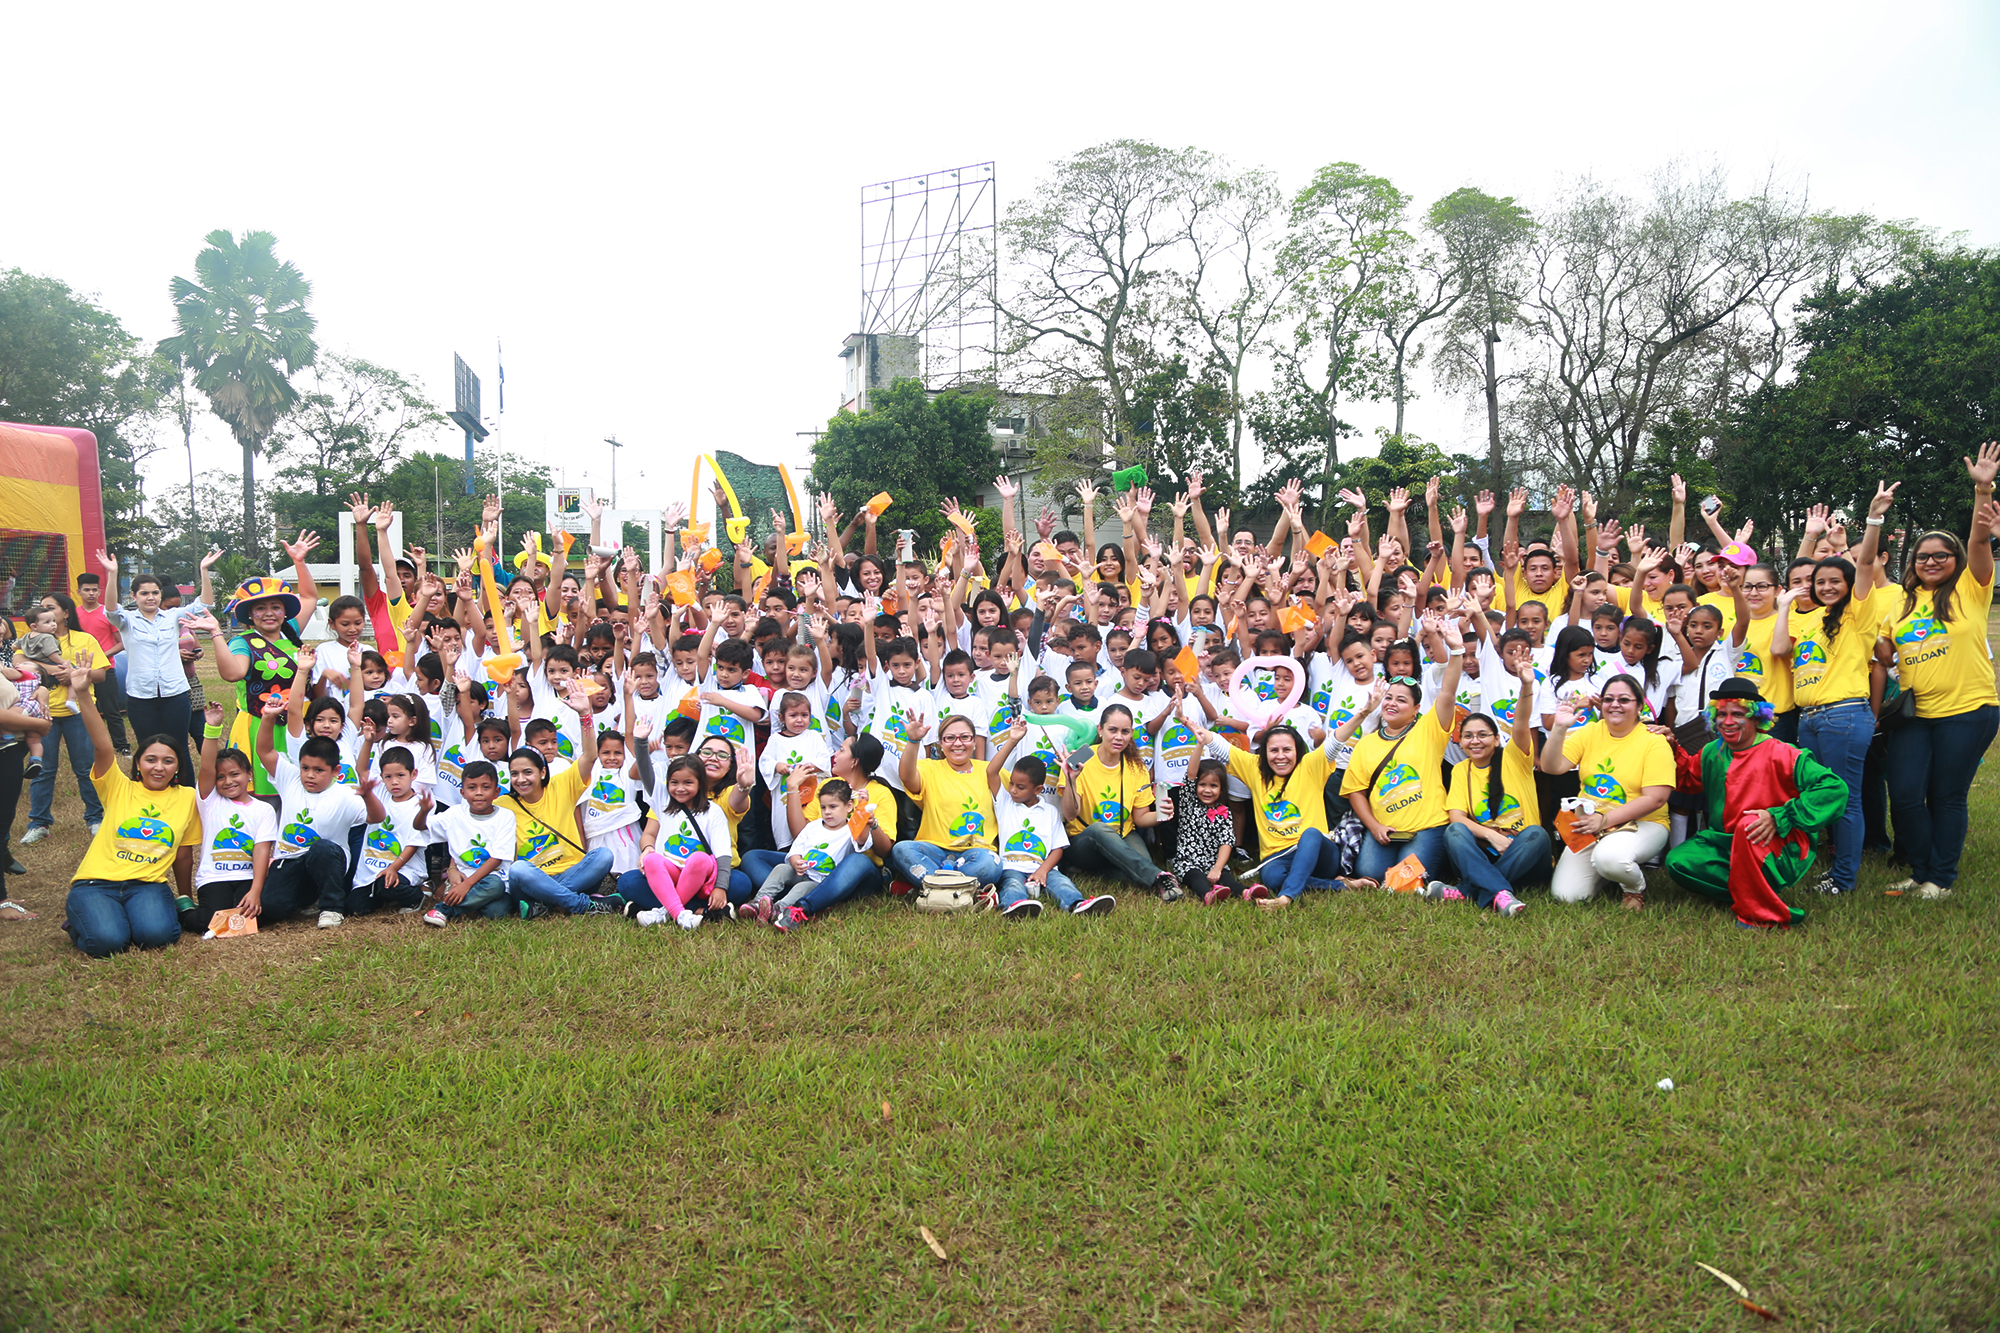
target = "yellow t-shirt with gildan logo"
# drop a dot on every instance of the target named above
(141, 832)
(1944, 662)
(1826, 672)
(1409, 794)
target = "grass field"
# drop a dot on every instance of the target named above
(1370, 1113)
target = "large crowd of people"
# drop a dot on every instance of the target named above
(1464, 714)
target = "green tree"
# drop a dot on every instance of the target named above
(1683, 445)
(1409, 462)
(428, 488)
(1342, 247)
(1485, 239)
(350, 427)
(244, 319)
(921, 449)
(67, 361)
(1900, 380)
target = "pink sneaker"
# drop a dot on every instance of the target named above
(1440, 892)
(1256, 893)
(1220, 893)
(1506, 904)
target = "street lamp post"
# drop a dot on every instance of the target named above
(612, 440)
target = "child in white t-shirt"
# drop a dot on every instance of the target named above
(611, 806)
(1032, 837)
(390, 869)
(821, 846)
(791, 744)
(479, 842)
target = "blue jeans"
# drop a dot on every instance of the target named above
(1100, 850)
(856, 874)
(1315, 857)
(1428, 845)
(1014, 888)
(1838, 736)
(1932, 761)
(565, 891)
(913, 860)
(109, 916)
(758, 864)
(82, 754)
(1483, 873)
(488, 898)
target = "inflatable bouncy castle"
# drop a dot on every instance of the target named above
(51, 509)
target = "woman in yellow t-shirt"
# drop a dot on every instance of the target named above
(1628, 773)
(1755, 600)
(958, 830)
(1942, 660)
(1106, 801)
(550, 865)
(1830, 647)
(1395, 776)
(119, 895)
(1495, 836)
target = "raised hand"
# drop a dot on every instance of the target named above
(1045, 523)
(1816, 520)
(1006, 487)
(212, 714)
(1986, 465)
(1353, 495)
(1458, 520)
(1482, 503)
(1399, 500)
(916, 726)
(1885, 495)
(1193, 487)
(1517, 502)
(214, 554)
(1564, 503)
(1680, 489)
(593, 507)
(109, 564)
(385, 514)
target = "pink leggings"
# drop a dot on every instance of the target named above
(677, 888)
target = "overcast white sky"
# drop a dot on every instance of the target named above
(656, 206)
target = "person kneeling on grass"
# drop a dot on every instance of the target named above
(819, 848)
(956, 831)
(1395, 776)
(315, 813)
(238, 832)
(551, 868)
(1765, 801)
(119, 896)
(1107, 801)
(479, 840)
(1032, 838)
(1496, 836)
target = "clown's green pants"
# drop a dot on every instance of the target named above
(1732, 871)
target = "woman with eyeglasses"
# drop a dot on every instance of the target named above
(1627, 773)
(958, 829)
(1756, 600)
(1941, 660)
(1830, 646)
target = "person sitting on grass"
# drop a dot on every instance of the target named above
(238, 831)
(821, 845)
(315, 814)
(119, 895)
(1395, 778)
(957, 829)
(682, 853)
(1627, 773)
(390, 869)
(1496, 836)
(1107, 801)
(1765, 801)
(1207, 835)
(551, 869)
(855, 763)
(479, 840)
(1032, 838)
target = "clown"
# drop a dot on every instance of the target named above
(1765, 801)
(261, 659)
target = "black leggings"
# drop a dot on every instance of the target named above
(163, 717)
(218, 895)
(1197, 882)
(11, 760)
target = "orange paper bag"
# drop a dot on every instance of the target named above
(879, 503)
(690, 705)
(1318, 544)
(1406, 876)
(696, 534)
(1049, 551)
(710, 560)
(1190, 668)
(680, 587)
(1566, 830)
(231, 925)
(857, 823)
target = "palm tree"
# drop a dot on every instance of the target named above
(245, 316)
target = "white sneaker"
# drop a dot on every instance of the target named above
(652, 916)
(1901, 886)
(688, 919)
(1932, 892)
(34, 835)
(93, 828)
(434, 918)
(328, 920)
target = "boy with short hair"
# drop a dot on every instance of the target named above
(390, 871)
(733, 708)
(820, 847)
(479, 839)
(1032, 837)
(315, 814)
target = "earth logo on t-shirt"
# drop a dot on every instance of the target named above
(680, 846)
(1398, 776)
(475, 854)
(969, 823)
(817, 859)
(896, 726)
(606, 791)
(300, 832)
(1603, 786)
(147, 826)
(234, 837)
(1916, 630)
(540, 839)
(1508, 807)
(348, 777)
(1111, 812)
(384, 840)
(1339, 717)
(1749, 664)
(1808, 653)
(1280, 813)
(1176, 740)
(728, 726)
(1504, 709)
(1027, 842)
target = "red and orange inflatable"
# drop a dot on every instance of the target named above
(51, 507)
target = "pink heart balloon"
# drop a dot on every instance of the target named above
(1263, 715)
